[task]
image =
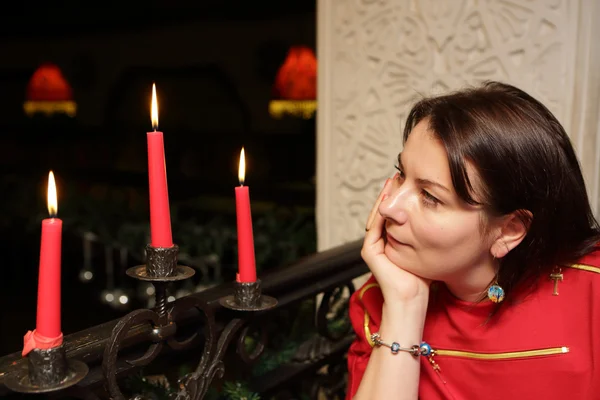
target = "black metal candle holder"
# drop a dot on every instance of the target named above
(161, 268)
(47, 370)
(247, 296)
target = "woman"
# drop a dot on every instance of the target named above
(483, 249)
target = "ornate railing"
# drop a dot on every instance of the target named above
(199, 327)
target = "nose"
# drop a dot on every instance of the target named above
(396, 206)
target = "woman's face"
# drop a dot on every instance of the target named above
(430, 231)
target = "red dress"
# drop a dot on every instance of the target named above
(540, 346)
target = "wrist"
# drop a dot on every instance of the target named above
(406, 308)
(407, 294)
(405, 315)
(406, 333)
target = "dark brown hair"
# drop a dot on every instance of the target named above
(526, 162)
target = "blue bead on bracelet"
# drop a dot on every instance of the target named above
(424, 349)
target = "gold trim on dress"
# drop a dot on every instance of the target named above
(366, 317)
(585, 267)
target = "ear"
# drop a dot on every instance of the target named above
(512, 230)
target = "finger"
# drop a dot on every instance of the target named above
(375, 209)
(375, 232)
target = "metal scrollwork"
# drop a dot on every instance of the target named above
(160, 268)
(332, 325)
(185, 304)
(111, 351)
(194, 386)
(330, 384)
(333, 313)
(259, 347)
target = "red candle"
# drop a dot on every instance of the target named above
(160, 217)
(246, 261)
(48, 301)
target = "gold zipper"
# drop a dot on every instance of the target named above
(494, 356)
(502, 356)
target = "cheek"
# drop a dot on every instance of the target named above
(451, 233)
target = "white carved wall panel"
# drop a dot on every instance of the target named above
(377, 57)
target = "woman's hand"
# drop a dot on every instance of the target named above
(402, 317)
(397, 285)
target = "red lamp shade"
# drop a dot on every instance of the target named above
(49, 92)
(295, 88)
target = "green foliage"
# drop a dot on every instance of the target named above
(282, 235)
(154, 389)
(273, 358)
(285, 342)
(238, 391)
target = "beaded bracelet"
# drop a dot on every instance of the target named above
(416, 350)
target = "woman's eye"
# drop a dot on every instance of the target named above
(428, 199)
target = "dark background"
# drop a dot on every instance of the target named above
(214, 63)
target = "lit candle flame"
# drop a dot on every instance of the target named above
(154, 108)
(242, 167)
(52, 201)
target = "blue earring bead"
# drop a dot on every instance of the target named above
(495, 293)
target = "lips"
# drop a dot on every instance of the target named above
(391, 240)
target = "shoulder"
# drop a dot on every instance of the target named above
(588, 267)
(584, 274)
(577, 282)
(590, 262)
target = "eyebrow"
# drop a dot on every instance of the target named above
(424, 182)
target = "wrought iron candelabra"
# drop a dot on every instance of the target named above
(160, 269)
(224, 318)
(50, 370)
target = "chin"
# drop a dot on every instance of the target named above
(407, 263)
(404, 261)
